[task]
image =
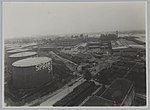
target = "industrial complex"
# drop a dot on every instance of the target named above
(77, 70)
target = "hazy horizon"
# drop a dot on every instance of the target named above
(45, 18)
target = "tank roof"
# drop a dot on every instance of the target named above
(98, 101)
(29, 44)
(32, 61)
(12, 48)
(22, 54)
(12, 45)
(17, 50)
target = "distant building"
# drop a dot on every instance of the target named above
(67, 42)
(126, 47)
(72, 41)
(101, 45)
(108, 37)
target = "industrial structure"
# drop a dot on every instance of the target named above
(120, 93)
(14, 51)
(21, 55)
(77, 95)
(103, 70)
(32, 72)
(17, 51)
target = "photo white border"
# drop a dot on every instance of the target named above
(79, 1)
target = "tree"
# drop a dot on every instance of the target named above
(86, 73)
(104, 80)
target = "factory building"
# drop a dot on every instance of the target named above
(67, 42)
(32, 72)
(77, 95)
(119, 93)
(129, 51)
(127, 48)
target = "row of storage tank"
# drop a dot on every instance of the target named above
(26, 69)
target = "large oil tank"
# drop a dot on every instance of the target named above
(9, 50)
(17, 51)
(9, 47)
(21, 55)
(12, 48)
(8, 53)
(32, 72)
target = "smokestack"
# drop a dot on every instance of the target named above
(117, 33)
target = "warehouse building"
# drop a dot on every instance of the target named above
(32, 72)
(77, 95)
(127, 48)
(120, 93)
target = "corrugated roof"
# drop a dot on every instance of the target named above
(98, 101)
(32, 61)
(117, 90)
(23, 54)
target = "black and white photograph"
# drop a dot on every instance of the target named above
(75, 54)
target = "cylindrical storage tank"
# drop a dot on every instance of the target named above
(18, 56)
(35, 48)
(17, 51)
(11, 45)
(12, 48)
(13, 52)
(32, 72)
(8, 51)
(22, 55)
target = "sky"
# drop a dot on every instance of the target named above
(21, 19)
